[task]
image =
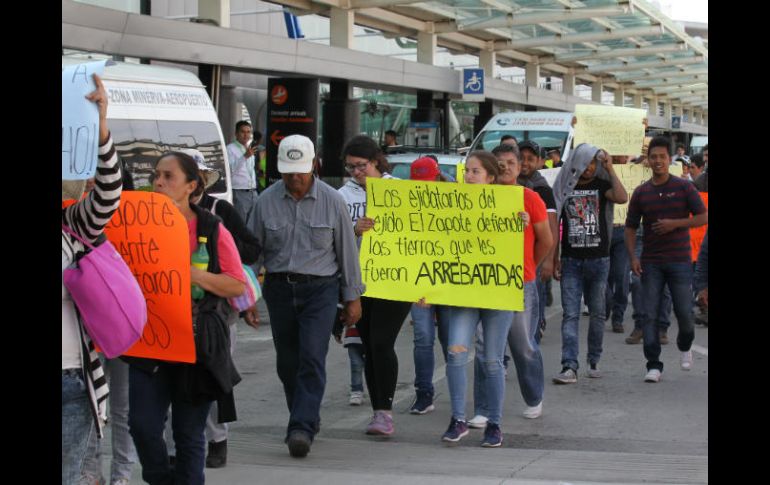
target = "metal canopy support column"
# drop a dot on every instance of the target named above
(341, 27)
(426, 47)
(487, 61)
(568, 84)
(652, 110)
(619, 96)
(216, 10)
(596, 91)
(532, 74)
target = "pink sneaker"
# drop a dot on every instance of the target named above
(381, 424)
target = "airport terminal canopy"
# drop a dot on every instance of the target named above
(628, 42)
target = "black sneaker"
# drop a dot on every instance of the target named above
(493, 436)
(423, 403)
(456, 431)
(217, 456)
(299, 443)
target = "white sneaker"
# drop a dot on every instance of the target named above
(687, 360)
(356, 398)
(532, 412)
(653, 375)
(478, 422)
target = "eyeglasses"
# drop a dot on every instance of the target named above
(357, 166)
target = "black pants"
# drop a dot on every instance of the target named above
(380, 323)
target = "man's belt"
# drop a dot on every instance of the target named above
(295, 277)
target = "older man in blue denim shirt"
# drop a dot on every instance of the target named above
(310, 254)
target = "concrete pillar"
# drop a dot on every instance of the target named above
(426, 48)
(619, 96)
(596, 91)
(667, 111)
(638, 100)
(216, 10)
(341, 28)
(652, 109)
(487, 61)
(568, 84)
(531, 74)
(679, 110)
(705, 118)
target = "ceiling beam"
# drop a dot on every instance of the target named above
(631, 66)
(614, 53)
(659, 83)
(559, 39)
(513, 19)
(376, 3)
(662, 74)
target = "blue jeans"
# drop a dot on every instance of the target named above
(77, 424)
(678, 278)
(149, 397)
(580, 276)
(663, 313)
(356, 356)
(462, 326)
(533, 306)
(302, 317)
(618, 279)
(424, 340)
(526, 356)
(123, 452)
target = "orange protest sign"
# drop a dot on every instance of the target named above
(698, 233)
(152, 236)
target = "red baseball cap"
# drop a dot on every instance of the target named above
(424, 168)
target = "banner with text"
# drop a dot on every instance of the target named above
(453, 244)
(152, 236)
(618, 130)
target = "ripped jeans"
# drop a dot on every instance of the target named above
(462, 327)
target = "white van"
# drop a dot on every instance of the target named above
(154, 109)
(548, 129)
(697, 143)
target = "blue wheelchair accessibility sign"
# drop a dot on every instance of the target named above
(473, 84)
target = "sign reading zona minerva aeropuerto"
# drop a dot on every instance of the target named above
(453, 244)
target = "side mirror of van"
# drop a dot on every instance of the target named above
(463, 150)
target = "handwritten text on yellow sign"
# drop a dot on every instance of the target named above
(618, 130)
(453, 244)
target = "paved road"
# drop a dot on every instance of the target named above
(617, 429)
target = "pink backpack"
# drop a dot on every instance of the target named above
(107, 297)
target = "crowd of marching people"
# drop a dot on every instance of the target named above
(305, 236)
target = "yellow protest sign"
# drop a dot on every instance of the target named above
(631, 176)
(618, 130)
(453, 244)
(460, 173)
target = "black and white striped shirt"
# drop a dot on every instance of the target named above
(87, 218)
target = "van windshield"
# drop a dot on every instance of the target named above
(546, 139)
(140, 142)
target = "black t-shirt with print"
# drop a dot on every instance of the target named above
(584, 233)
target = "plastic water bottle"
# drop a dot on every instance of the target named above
(200, 259)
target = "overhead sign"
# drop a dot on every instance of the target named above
(452, 244)
(292, 110)
(676, 122)
(473, 84)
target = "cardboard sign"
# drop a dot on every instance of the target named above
(152, 236)
(79, 121)
(453, 244)
(618, 130)
(632, 175)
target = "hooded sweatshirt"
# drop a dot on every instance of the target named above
(568, 177)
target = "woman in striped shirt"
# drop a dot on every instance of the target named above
(84, 387)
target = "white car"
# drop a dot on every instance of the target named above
(400, 163)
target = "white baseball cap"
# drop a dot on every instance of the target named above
(295, 154)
